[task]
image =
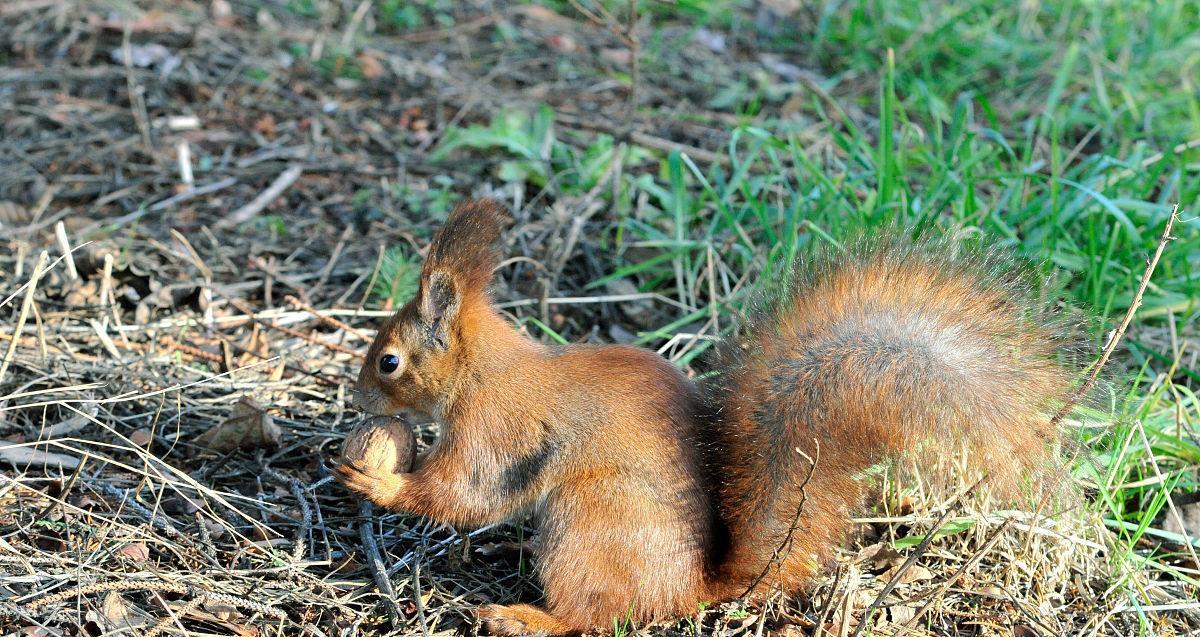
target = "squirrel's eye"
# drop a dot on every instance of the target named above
(389, 363)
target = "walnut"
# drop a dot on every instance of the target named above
(384, 443)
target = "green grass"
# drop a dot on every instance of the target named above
(1061, 132)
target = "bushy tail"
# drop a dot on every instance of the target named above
(863, 359)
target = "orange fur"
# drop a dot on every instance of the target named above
(654, 495)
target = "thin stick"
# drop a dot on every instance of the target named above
(785, 547)
(137, 102)
(64, 244)
(192, 193)
(264, 198)
(1099, 365)
(183, 154)
(26, 304)
(417, 601)
(367, 535)
(328, 320)
(1116, 338)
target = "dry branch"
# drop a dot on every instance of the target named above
(264, 199)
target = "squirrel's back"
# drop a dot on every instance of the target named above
(865, 356)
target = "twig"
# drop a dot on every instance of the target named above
(26, 304)
(241, 307)
(64, 244)
(314, 340)
(643, 139)
(183, 155)
(1109, 348)
(785, 547)
(328, 320)
(299, 544)
(417, 601)
(198, 191)
(187, 195)
(355, 20)
(829, 604)
(635, 58)
(264, 198)
(461, 28)
(137, 102)
(1116, 337)
(375, 562)
(163, 623)
(127, 499)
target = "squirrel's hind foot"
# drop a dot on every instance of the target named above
(520, 619)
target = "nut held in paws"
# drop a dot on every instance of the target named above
(384, 443)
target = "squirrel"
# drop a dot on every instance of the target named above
(655, 494)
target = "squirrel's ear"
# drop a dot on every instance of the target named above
(465, 250)
(440, 301)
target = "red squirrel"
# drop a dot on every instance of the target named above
(655, 494)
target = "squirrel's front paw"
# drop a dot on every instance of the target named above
(379, 486)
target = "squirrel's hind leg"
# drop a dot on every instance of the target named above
(521, 619)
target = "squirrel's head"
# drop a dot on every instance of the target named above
(413, 359)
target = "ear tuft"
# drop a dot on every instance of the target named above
(465, 248)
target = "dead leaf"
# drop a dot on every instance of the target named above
(901, 614)
(115, 615)
(991, 590)
(137, 551)
(912, 574)
(881, 557)
(39, 631)
(266, 125)
(217, 613)
(369, 66)
(540, 13)
(248, 427)
(141, 437)
(222, 611)
(147, 55)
